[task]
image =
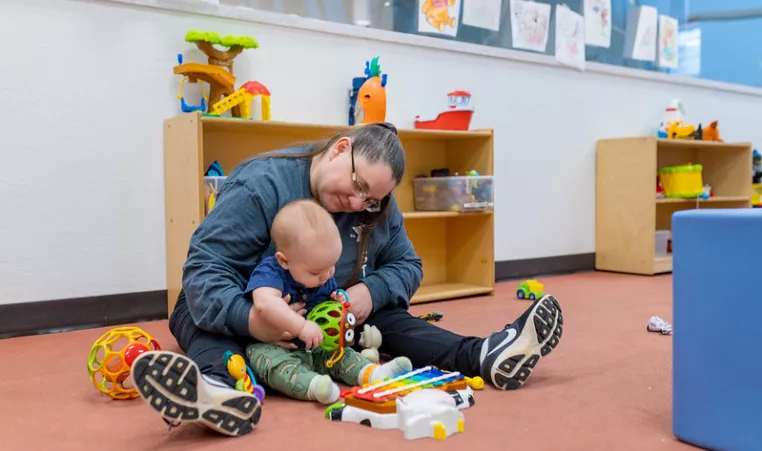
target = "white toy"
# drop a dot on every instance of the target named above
(426, 402)
(370, 340)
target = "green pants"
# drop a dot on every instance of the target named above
(291, 371)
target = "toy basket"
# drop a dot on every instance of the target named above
(683, 181)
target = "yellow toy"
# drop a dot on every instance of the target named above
(244, 378)
(244, 97)
(682, 181)
(111, 358)
(678, 130)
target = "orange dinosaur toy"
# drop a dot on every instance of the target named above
(712, 133)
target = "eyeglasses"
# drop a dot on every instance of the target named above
(358, 188)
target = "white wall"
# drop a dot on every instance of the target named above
(85, 88)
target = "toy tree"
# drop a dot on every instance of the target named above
(206, 40)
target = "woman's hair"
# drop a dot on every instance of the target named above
(376, 142)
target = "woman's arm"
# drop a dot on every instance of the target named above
(223, 250)
(398, 270)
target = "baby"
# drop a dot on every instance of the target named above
(308, 245)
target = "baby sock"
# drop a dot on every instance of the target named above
(375, 373)
(323, 390)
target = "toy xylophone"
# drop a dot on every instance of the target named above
(380, 397)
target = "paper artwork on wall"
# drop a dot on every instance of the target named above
(598, 23)
(640, 36)
(668, 43)
(439, 16)
(570, 37)
(482, 13)
(530, 23)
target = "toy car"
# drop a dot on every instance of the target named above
(530, 289)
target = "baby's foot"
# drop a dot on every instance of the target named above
(393, 368)
(324, 390)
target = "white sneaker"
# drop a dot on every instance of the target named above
(656, 324)
(172, 384)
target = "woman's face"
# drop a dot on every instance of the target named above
(337, 190)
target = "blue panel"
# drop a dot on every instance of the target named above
(717, 399)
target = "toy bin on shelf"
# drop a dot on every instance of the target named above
(212, 185)
(458, 193)
(682, 181)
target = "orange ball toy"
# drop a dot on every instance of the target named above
(111, 359)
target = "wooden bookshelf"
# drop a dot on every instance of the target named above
(627, 211)
(457, 249)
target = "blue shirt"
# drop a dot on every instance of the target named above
(235, 237)
(269, 273)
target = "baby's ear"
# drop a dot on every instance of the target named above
(282, 260)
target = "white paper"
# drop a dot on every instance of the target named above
(482, 13)
(438, 16)
(640, 38)
(668, 43)
(570, 37)
(530, 23)
(598, 23)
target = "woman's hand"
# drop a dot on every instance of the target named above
(360, 302)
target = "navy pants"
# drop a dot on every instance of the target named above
(402, 334)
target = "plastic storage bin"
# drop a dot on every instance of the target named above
(458, 193)
(662, 242)
(212, 186)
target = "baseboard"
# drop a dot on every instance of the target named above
(531, 267)
(33, 318)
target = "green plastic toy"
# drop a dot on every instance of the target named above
(530, 289)
(338, 326)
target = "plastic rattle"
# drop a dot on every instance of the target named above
(244, 378)
(338, 326)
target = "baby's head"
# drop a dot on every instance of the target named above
(307, 242)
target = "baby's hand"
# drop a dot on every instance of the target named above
(339, 296)
(311, 334)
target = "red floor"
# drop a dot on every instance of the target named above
(606, 387)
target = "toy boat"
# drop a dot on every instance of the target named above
(457, 116)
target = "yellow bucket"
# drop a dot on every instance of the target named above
(682, 181)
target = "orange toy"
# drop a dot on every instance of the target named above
(111, 358)
(711, 133)
(371, 97)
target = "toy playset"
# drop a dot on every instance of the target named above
(457, 115)
(218, 73)
(425, 402)
(441, 192)
(111, 358)
(370, 103)
(673, 126)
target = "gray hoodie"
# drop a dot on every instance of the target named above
(235, 236)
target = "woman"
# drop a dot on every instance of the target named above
(352, 175)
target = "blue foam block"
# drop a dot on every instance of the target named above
(717, 296)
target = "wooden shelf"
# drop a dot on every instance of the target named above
(443, 214)
(441, 291)
(700, 201)
(627, 211)
(457, 248)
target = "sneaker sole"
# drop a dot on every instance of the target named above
(169, 382)
(539, 337)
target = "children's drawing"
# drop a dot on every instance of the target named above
(482, 13)
(529, 25)
(640, 38)
(598, 23)
(438, 16)
(668, 44)
(570, 37)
